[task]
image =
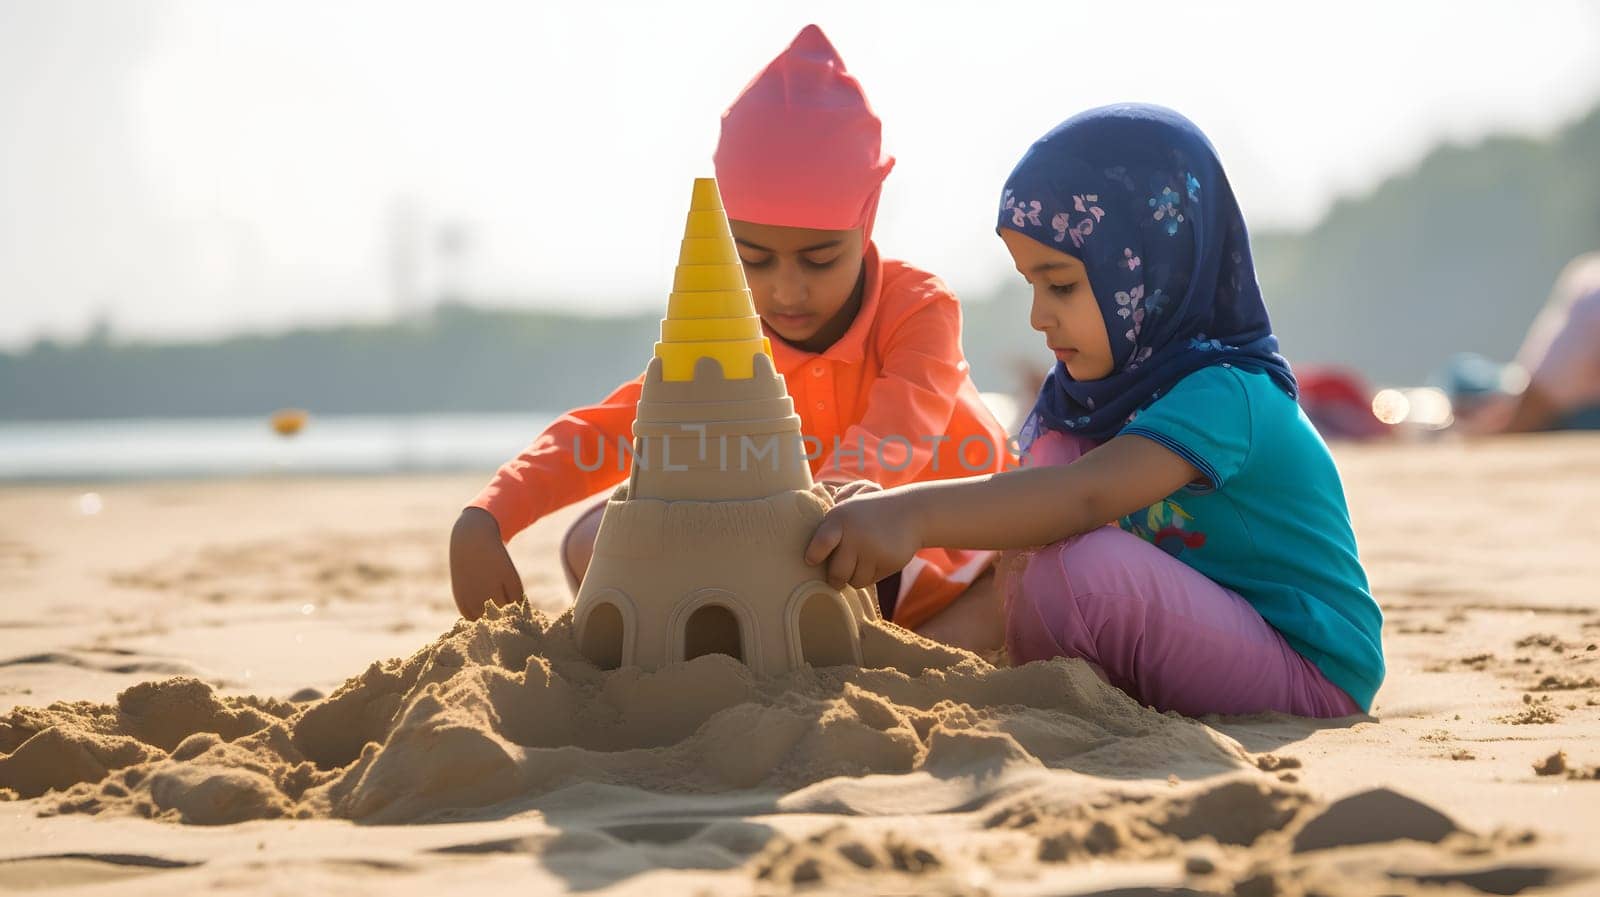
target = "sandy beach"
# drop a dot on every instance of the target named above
(261, 686)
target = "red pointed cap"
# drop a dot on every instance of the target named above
(801, 146)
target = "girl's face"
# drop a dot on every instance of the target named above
(803, 281)
(1064, 308)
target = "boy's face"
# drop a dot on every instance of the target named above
(803, 280)
(1064, 308)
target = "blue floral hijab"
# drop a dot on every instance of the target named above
(1137, 194)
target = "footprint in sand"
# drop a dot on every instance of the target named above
(319, 567)
(64, 870)
(115, 661)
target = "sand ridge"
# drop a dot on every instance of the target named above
(504, 709)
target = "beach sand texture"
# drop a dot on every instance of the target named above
(261, 686)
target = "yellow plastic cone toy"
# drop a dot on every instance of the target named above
(710, 313)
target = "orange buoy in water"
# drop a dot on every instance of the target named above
(289, 421)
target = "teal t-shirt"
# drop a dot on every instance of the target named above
(1271, 522)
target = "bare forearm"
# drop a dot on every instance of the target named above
(872, 534)
(1018, 509)
(1037, 506)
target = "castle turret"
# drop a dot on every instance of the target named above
(701, 551)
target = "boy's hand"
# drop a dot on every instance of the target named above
(480, 568)
(864, 539)
(842, 491)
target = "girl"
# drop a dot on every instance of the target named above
(870, 349)
(1229, 580)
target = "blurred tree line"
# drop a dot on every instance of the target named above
(1456, 254)
(459, 358)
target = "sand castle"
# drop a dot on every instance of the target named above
(700, 551)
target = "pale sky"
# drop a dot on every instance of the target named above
(194, 168)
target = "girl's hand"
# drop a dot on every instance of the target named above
(865, 538)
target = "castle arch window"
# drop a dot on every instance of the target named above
(822, 630)
(606, 626)
(713, 621)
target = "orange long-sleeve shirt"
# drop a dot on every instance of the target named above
(892, 401)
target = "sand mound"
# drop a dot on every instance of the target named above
(1373, 817)
(501, 711)
(1141, 823)
(1241, 833)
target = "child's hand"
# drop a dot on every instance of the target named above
(865, 538)
(480, 567)
(842, 491)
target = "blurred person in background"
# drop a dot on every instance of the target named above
(1555, 382)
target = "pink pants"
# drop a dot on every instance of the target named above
(1161, 630)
